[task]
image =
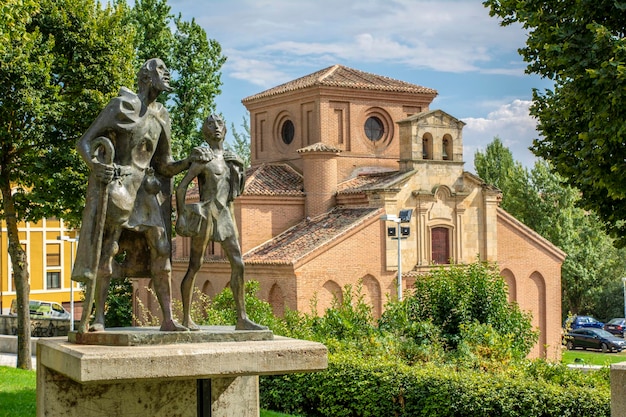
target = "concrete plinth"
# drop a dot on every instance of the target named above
(618, 389)
(216, 379)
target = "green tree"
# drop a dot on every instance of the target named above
(153, 36)
(24, 109)
(591, 257)
(241, 142)
(194, 60)
(61, 62)
(580, 45)
(497, 167)
(57, 59)
(92, 59)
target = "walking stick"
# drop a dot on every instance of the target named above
(107, 157)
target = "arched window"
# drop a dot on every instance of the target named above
(446, 148)
(440, 243)
(427, 146)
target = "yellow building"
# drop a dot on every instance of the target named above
(50, 248)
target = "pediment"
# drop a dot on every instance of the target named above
(435, 118)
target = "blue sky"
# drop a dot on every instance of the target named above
(453, 46)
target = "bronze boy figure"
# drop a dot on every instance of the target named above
(219, 181)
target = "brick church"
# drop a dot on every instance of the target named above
(335, 153)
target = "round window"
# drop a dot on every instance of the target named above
(287, 132)
(374, 128)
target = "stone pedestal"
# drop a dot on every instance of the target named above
(618, 389)
(216, 379)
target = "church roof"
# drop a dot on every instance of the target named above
(341, 76)
(372, 181)
(273, 179)
(319, 147)
(309, 235)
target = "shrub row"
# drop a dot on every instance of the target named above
(354, 387)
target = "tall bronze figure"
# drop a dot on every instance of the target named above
(219, 181)
(126, 224)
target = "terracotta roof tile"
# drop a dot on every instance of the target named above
(340, 76)
(273, 179)
(308, 235)
(319, 147)
(371, 181)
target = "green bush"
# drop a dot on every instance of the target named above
(119, 304)
(347, 324)
(352, 386)
(454, 347)
(222, 311)
(465, 310)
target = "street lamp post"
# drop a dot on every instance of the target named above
(400, 232)
(72, 241)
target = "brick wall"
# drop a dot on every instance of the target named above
(354, 257)
(261, 218)
(533, 266)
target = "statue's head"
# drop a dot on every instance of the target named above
(214, 128)
(154, 74)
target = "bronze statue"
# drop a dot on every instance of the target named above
(219, 181)
(127, 211)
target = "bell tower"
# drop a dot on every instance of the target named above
(432, 137)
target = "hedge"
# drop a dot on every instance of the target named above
(352, 387)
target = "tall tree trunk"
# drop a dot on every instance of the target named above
(20, 278)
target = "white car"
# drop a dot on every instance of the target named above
(43, 309)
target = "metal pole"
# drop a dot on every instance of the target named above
(398, 232)
(624, 282)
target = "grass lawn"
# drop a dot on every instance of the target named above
(18, 394)
(590, 357)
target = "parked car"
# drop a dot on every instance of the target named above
(590, 338)
(616, 326)
(576, 322)
(43, 309)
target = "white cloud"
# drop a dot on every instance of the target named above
(260, 73)
(511, 122)
(451, 36)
